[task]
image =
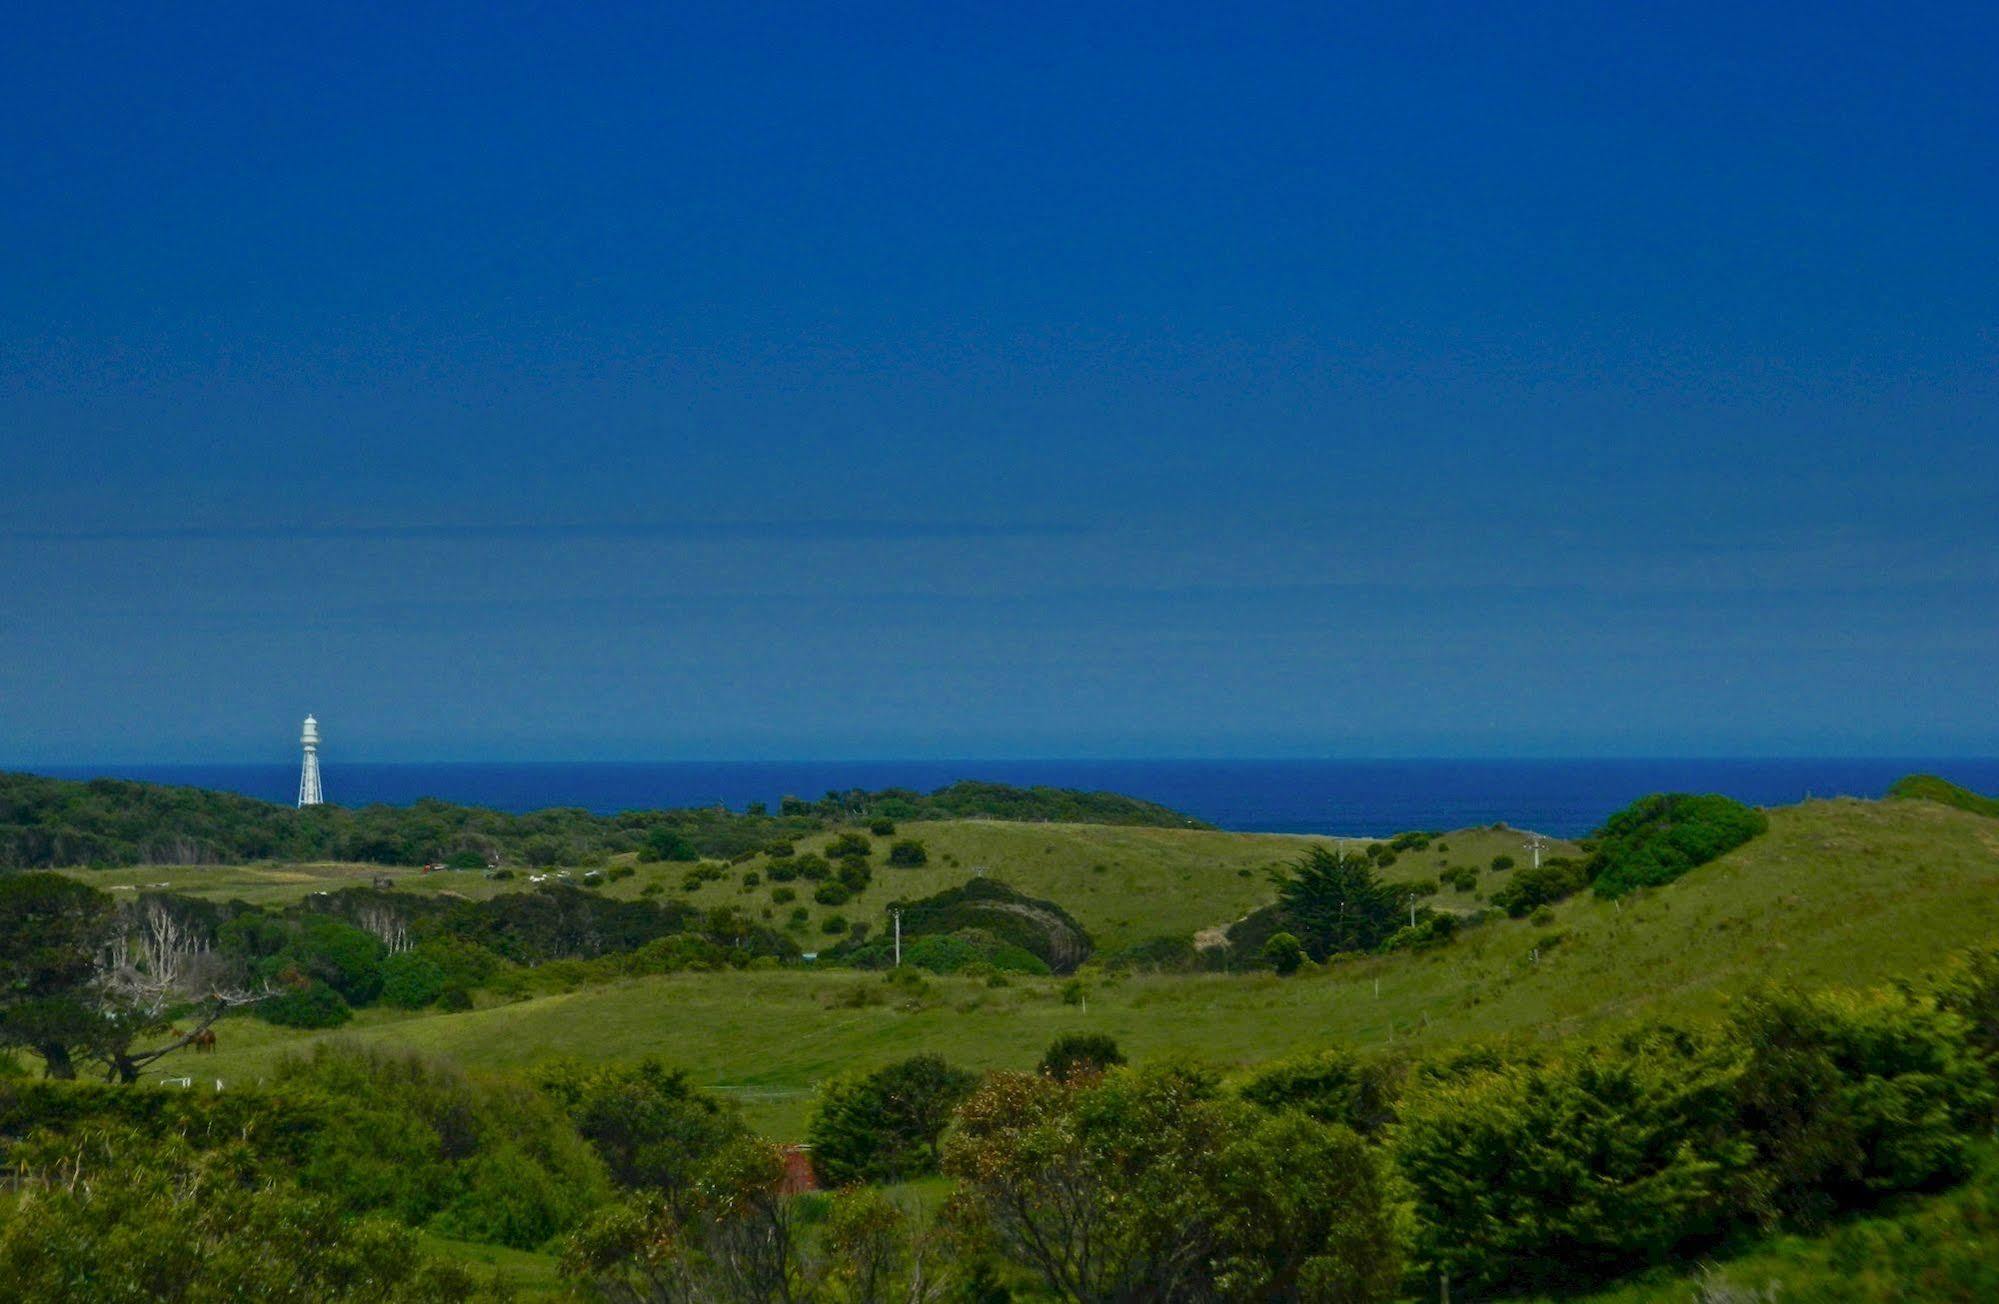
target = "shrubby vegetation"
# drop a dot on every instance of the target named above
(884, 1126)
(1154, 1185)
(1658, 838)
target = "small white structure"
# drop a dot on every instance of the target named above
(308, 777)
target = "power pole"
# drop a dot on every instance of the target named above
(898, 937)
(1535, 842)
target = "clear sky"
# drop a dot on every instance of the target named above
(680, 381)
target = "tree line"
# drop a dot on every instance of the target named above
(60, 823)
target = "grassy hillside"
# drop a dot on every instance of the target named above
(1837, 892)
(1123, 883)
(1928, 787)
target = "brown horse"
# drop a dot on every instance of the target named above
(204, 1040)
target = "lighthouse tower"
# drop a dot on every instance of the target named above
(308, 778)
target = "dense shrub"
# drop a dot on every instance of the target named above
(1332, 1086)
(884, 1126)
(1658, 838)
(1147, 1186)
(1079, 1053)
(650, 1125)
(849, 844)
(1284, 953)
(854, 874)
(1851, 1095)
(411, 981)
(1556, 1174)
(831, 894)
(1555, 880)
(812, 868)
(908, 854)
(127, 1217)
(475, 1158)
(882, 828)
(312, 1004)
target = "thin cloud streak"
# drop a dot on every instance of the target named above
(768, 531)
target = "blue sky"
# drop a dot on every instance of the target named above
(515, 381)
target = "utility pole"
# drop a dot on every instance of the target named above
(1535, 842)
(898, 937)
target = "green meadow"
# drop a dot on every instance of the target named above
(1837, 892)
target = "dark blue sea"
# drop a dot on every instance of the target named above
(1349, 797)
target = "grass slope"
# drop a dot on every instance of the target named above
(1123, 883)
(1928, 787)
(1837, 892)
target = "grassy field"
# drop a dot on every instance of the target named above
(1836, 892)
(1124, 884)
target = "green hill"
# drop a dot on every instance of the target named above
(1837, 892)
(1124, 883)
(1928, 787)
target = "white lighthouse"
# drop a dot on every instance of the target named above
(308, 778)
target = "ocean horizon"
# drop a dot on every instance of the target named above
(1346, 798)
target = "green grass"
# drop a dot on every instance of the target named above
(1837, 892)
(529, 1274)
(1124, 884)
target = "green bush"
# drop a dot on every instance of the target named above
(1850, 1095)
(1284, 953)
(908, 854)
(1658, 838)
(884, 1126)
(1501, 863)
(411, 981)
(882, 828)
(1332, 1086)
(812, 868)
(1075, 1053)
(1553, 1175)
(831, 894)
(783, 895)
(854, 874)
(832, 924)
(1146, 1186)
(314, 1005)
(134, 1218)
(1556, 880)
(781, 871)
(650, 1125)
(465, 860)
(849, 844)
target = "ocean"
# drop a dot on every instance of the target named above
(1349, 798)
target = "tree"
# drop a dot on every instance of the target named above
(1079, 1053)
(1146, 1186)
(52, 930)
(651, 1126)
(883, 1126)
(1284, 952)
(1334, 902)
